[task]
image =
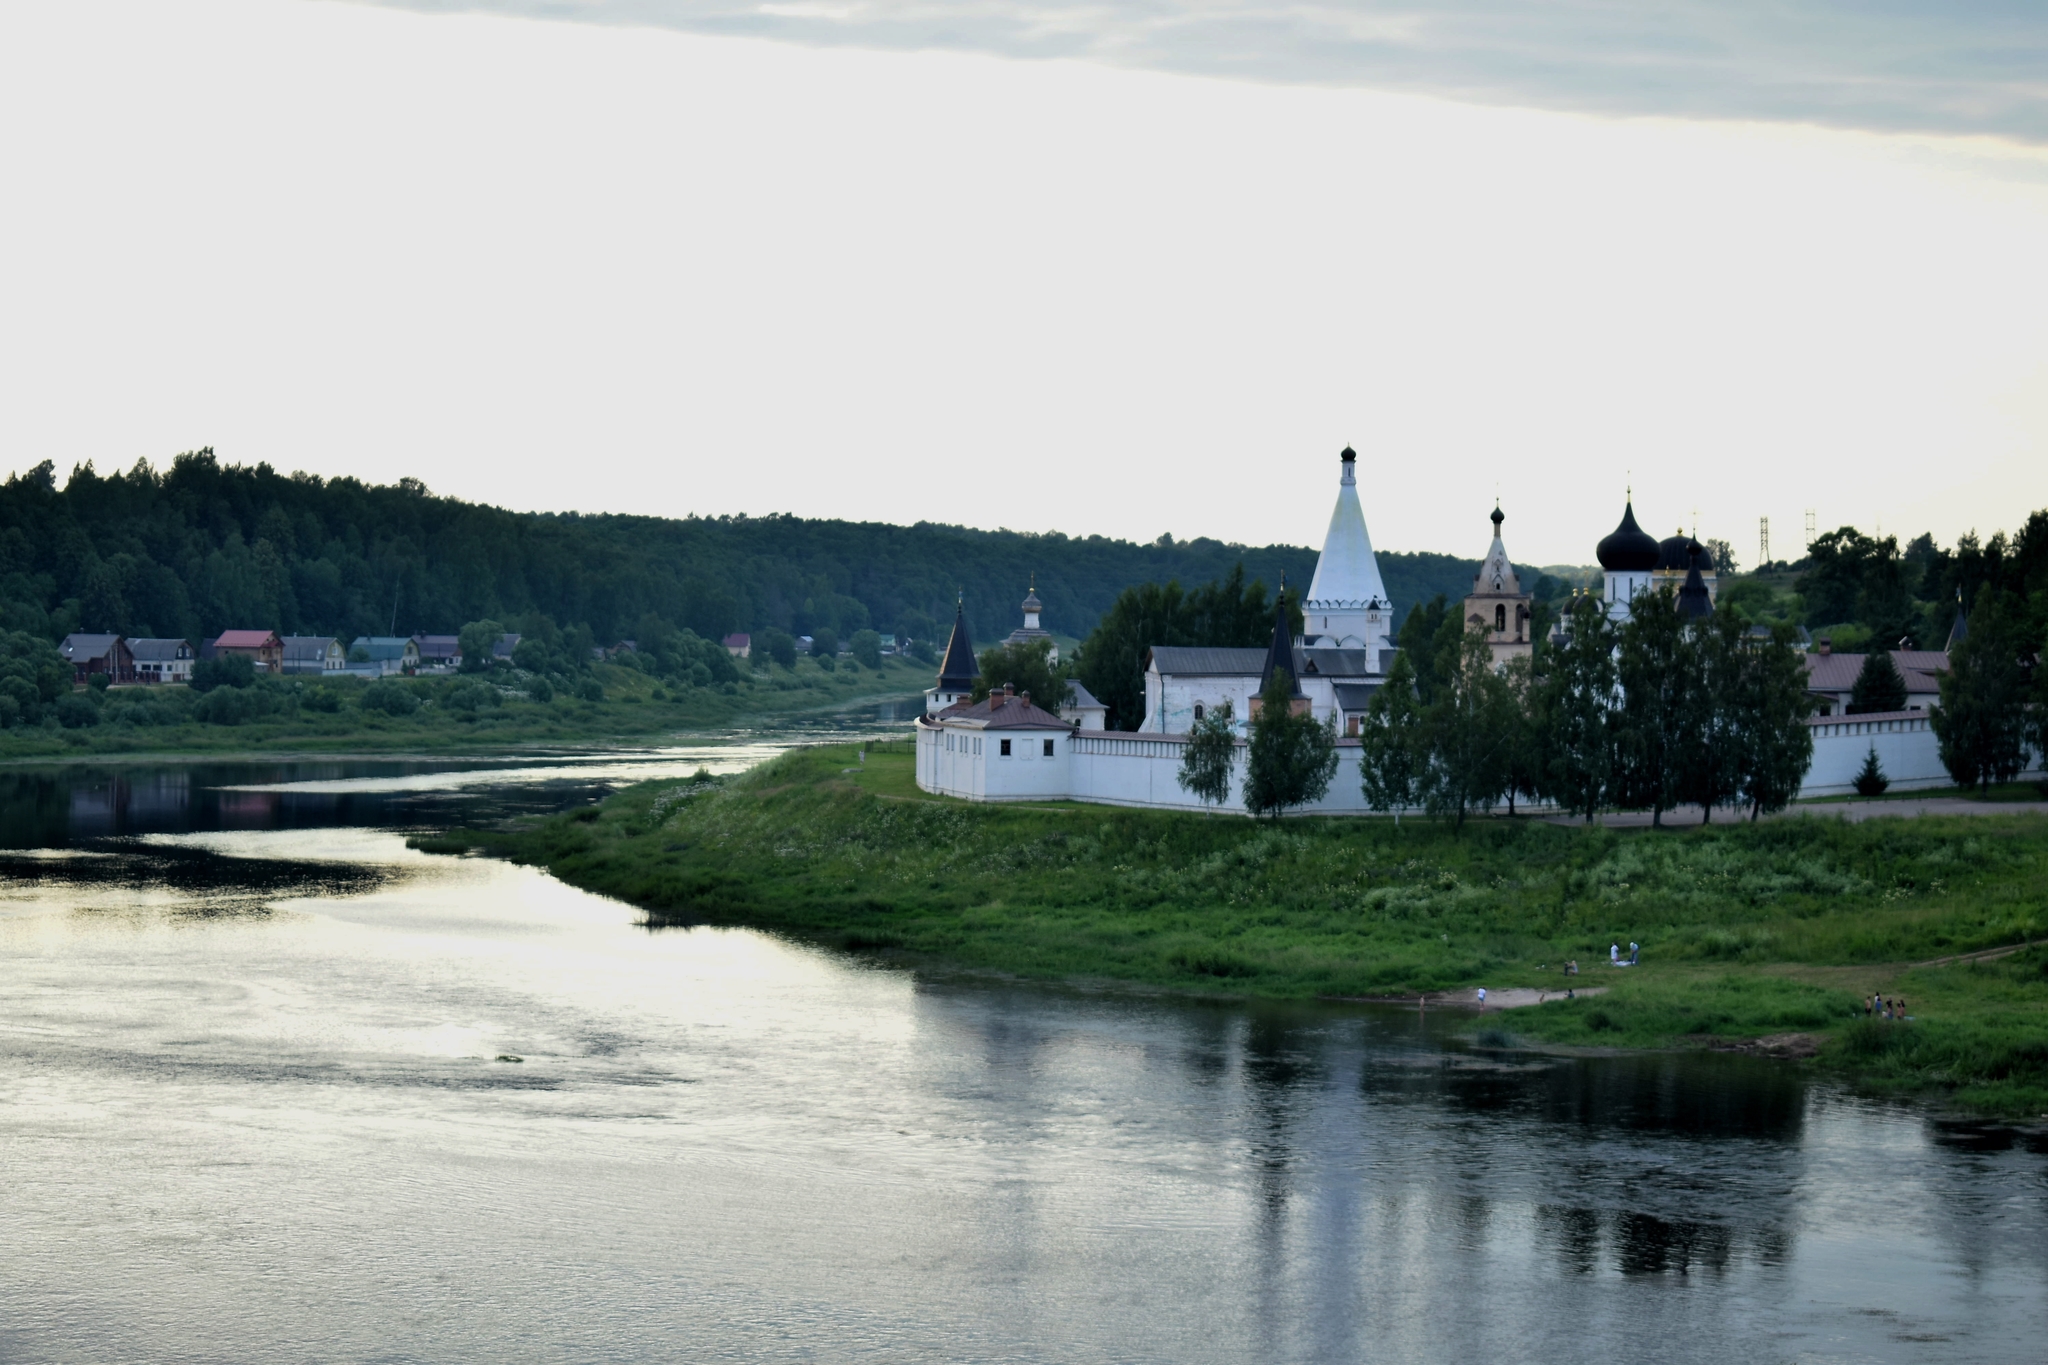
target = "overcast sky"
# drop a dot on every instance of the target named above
(1107, 268)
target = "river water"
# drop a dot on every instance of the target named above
(261, 1103)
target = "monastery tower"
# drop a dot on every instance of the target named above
(1347, 606)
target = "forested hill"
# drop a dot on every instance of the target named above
(204, 547)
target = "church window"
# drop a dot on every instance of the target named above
(1500, 617)
(1006, 748)
(1048, 748)
(1198, 710)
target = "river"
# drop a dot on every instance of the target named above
(279, 1089)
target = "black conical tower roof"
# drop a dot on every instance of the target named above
(1960, 631)
(957, 671)
(1694, 601)
(1280, 653)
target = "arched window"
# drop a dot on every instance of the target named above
(1500, 617)
(1198, 710)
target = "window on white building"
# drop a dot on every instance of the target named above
(1006, 748)
(1048, 748)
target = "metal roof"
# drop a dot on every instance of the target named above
(245, 639)
(957, 671)
(157, 650)
(999, 712)
(1837, 672)
(79, 646)
(1080, 697)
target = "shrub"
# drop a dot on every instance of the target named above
(1871, 781)
(228, 670)
(98, 682)
(540, 689)
(227, 706)
(76, 712)
(393, 699)
(470, 696)
(590, 689)
(326, 700)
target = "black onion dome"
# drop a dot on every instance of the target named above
(1676, 553)
(1629, 549)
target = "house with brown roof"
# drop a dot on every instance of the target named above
(260, 647)
(1831, 677)
(90, 654)
(1001, 748)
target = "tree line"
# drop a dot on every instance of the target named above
(204, 546)
(1650, 714)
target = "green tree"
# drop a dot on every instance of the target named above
(1575, 702)
(1292, 755)
(1210, 754)
(1522, 764)
(1393, 750)
(1982, 720)
(1871, 781)
(1765, 721)
(1227, 613)
(1468, 730)
(777, 646)
(867, 649)
(1026, 666)
(824, 643)
(1710, 769)
(1662, 696)
(1879, 685)
(478, 642)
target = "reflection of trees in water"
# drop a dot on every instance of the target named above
(206, 883)
(55, 807)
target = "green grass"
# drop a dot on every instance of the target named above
(636, 707)
(1748, 930)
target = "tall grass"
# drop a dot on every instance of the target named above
(1745, 928)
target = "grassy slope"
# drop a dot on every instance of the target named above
(635, 708)
(1748, 930)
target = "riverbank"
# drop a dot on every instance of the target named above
(1750, 931)
(459, 715)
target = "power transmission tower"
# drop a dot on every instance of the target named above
(1763, 541)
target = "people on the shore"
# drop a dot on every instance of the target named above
(1614, 954)
(1635, 953)
(1482, 997)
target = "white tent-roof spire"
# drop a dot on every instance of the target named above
(1347, 575)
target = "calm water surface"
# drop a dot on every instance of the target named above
(258, 1105)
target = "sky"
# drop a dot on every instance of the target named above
(1119, 269)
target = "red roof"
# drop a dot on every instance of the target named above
(245, 639)
(740, 641)
(1837, 672)
(999, 712)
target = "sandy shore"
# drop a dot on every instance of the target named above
(1506, 998)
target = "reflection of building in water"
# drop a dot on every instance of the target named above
(96, 809)
(248, 810)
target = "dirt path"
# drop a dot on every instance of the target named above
(1981, 955)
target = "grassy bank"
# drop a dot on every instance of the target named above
(1748, 930)
(453, 714)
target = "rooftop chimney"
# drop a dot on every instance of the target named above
(1827, 646)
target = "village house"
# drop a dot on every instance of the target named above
(439, 651)
(313, 654)
(740, 645)
(90, 654)
(260, 647)
(162, 661)
(380, 656)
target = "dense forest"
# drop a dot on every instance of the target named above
(206, 546)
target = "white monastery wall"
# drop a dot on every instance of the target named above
(1907, 750)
